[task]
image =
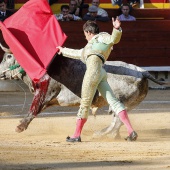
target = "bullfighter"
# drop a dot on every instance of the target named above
(94, 55)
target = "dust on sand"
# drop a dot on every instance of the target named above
(43, 147)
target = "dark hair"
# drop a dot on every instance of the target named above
(73, 0)
(64, 7)
(1, 1)
(126, 4)
(91, 26)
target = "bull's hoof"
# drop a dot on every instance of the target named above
(97, 134)
(132, 137)
(20, 128)
(117, 136)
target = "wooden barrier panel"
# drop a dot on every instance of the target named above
(144, 43)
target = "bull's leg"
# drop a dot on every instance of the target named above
(24, 123)
(37, 104)
(116, 129)
(113, 128)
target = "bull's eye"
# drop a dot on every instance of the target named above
(9, 56)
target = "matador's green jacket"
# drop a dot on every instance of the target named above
(100, 45)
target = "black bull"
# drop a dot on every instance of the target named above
(128, 82)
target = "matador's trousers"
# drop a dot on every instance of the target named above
(96, 78)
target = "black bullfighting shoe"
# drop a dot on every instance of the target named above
(132, 137)
(69, 139)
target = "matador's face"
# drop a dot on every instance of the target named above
(88, 35)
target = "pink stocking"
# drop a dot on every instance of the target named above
(125, 119)
(79, 126)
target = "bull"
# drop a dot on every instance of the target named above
(128, 82)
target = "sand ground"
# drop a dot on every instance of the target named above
(43, 147)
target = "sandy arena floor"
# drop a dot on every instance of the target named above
(42, 146)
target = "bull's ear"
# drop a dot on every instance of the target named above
(7, 50)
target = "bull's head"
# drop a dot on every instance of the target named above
(9, 66)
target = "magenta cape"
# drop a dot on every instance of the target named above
(33, 33)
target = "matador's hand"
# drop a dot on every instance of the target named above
(60, 49)
(116, 23)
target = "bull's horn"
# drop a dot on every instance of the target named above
(7, 50)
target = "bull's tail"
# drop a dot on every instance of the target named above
(150, 77)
